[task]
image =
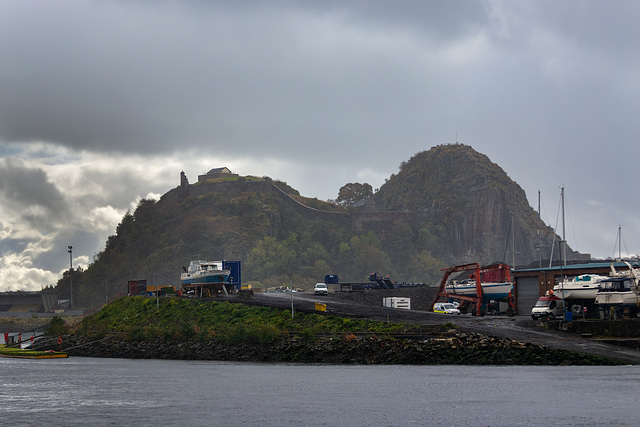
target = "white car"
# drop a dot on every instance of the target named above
(320, 289)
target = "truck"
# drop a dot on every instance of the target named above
(548, 306)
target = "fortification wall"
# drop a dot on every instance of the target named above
(362, 221)
(266, 187)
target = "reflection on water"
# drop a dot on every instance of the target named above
(81, 391)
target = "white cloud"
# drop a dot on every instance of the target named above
(18, 274)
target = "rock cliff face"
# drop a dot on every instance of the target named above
(473, 211)
(452, 201)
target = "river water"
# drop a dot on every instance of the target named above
(121, 392)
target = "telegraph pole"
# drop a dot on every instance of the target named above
(71, 275)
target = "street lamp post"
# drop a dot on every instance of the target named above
(71, 275)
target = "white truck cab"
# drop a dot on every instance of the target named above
(548, 306)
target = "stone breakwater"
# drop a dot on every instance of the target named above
(451, 349)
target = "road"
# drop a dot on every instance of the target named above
(518, 328)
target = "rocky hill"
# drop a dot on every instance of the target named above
(471, 209)
(449, 205)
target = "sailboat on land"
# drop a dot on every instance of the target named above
(585, 286)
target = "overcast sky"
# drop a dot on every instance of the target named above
(104, 103)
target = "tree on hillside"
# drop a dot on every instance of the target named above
(63, 287)
(361, 256)
(354, 192)
(424, 268)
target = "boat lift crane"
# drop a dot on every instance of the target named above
(479, 300)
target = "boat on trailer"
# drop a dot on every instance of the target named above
(491, 291)
(585, 286)
(204, 273)
(619, 296)
(484, 286)
(204, 278)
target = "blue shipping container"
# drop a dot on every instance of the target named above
(331, 279)
(235, 276)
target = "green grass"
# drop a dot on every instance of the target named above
(138, 319)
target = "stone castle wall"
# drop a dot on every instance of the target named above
(362, 221)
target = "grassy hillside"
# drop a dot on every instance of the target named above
(138, 318)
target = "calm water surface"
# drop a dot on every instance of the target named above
(122, 392)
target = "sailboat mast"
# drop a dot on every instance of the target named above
(620, 242)
(564, 241)
(540, 219)
(563, 256)
(513, 242)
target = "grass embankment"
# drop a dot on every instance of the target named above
(139, 319)
(191, 329)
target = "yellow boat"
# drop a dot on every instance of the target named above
(22, 353)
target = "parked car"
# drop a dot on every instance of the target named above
(320, 289)
(445, 308)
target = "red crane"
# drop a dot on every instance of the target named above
(494, 272)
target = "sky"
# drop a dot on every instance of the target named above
(105, 103)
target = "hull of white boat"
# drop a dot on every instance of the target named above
(204, 273)
(206, 279)
(605, 299)
(490, 291)
(585, 286)
(576, 293)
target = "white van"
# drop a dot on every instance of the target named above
(445, 308)
(320, 289)
(548, 306)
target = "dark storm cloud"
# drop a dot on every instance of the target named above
(28, 193)
(442, 21)
(266, 78)
(127, 76)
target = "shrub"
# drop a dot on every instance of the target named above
(137, 334)
(308, 335)
(449, 325)
(57, 326)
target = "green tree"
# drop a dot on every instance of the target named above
(271, 257)
(425, 268)
(63, 287)
(362, 256)
(319, 269)
(354, 192)
(401, 241)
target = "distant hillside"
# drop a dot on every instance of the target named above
(466, 203)
(449, 205)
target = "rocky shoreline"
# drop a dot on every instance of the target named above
(452, 348)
